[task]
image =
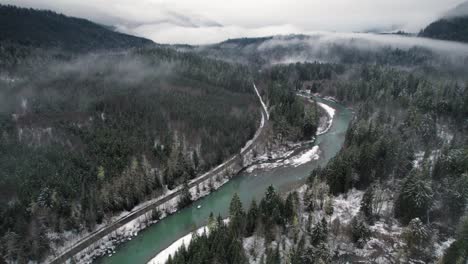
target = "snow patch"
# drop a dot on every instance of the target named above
(295, 161)
(331, 113)
(441, 247)
(346, 206)
(312, 154)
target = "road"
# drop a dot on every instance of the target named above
(100, 233)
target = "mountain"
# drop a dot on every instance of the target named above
(452, 26)
(47, 29)
(455, 29)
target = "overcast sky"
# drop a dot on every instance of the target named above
(209, 21)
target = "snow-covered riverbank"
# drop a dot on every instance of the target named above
(283, 156)
(162, 256)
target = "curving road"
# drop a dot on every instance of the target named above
(100, 233)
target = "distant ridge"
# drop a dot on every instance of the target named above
(452, 26)
(47, 29)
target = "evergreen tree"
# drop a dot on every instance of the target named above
(185, 195)
(236, 215)
(319, 233)
(252, 218)
(360, 231)
(458, 250)
(418, 240)
(367, 205)
(415, 198)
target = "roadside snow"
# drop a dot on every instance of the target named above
(261, 101)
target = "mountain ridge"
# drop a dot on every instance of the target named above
(48, 29)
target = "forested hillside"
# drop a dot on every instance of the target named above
(455, 29)
(47, 29)
(401, 51)
(452, 26)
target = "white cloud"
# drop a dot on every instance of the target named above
(194, 21)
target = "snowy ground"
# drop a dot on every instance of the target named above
(286, 160)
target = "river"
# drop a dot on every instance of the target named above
(248, 185)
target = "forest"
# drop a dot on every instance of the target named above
(405, 152)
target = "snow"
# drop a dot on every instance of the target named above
(285, 160)
(162, 256)
(255, 245)
(312, 154)
(331, 113)
(8, 79)
(331, 98)
(261, 101)
(346, 206)
(441, 247)
(418, 159)
(443, 133)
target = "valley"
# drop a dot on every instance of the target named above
(282, 143)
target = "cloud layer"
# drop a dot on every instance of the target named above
(209, 21)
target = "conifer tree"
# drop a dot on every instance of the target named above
(185, 195)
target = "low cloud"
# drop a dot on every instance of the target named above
(208, 21)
